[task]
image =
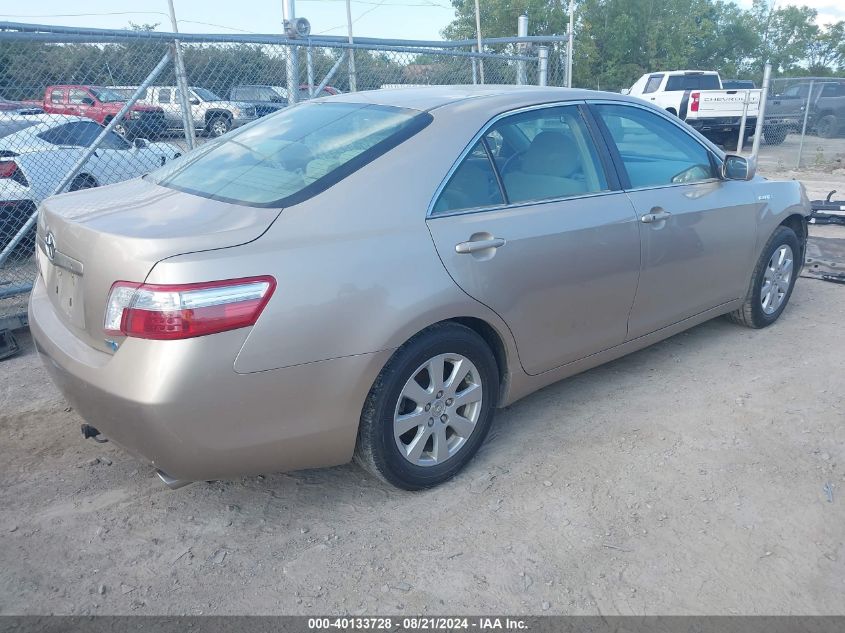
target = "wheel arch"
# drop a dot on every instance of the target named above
(798, 224)
(217, 112)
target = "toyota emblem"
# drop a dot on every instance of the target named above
(50, 245)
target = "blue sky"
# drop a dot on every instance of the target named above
(406, 19)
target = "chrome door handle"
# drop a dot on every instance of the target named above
(473, 246)
(648, 218)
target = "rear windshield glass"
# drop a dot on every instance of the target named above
(693, 82)
(290, 156)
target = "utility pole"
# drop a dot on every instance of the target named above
(569, 48)
(478, 37)
(292, 66)
(353, 80)
(182, 83)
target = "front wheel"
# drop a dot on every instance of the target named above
(429, 409)
(218, 126)
(772, 281)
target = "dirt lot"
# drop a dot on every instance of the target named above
(701, 475)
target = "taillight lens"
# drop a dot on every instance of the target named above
(695, 100)
(10, 169)
(169, 312)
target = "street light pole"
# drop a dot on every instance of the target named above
(292, 66)
(569, 48)
(478, 37)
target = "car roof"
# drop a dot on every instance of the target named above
(484, 97)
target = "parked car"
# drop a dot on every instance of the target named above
(212, 115)
(19, 107)
(266, 99)
(257, 308)
(101, 105)
(699, 98)
(36, 151)
(827, 106)
(738, 84)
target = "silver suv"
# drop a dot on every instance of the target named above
(212, 114)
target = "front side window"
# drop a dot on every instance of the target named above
(204, 94)
(536, 155)
(655, 151)
(78, 97)
(107, 95)
(294, 154)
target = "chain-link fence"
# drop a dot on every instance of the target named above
(82, 108)
(804, 123)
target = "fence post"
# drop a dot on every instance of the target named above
(353, 79)
(474, 68)
(543, 65)
(570, 44)
(521, 31)
(330, 74)
(309, 62)
(182, 83)
(741, 141)
(804, 124)
(89, 151)
(761, 110)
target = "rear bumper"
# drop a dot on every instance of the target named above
(181, 406)
(722, 124)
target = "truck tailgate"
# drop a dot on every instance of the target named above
(722, 103)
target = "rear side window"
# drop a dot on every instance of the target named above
(164, 95)
(653, 83)
(290, 156)
(77, 96)
(654, 151)
(692, 82)
(56, 96)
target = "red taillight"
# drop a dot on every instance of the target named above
(168, 312)
(8, 169)
(695, 100)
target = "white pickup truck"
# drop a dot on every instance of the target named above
(697, 97)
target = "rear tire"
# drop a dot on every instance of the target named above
(828, 126)
(444, 422)
(775, 135)
(770, 287)
(83, 181)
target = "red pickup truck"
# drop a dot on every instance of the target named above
(101, 104)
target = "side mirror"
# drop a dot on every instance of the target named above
(625, 91)
(140, 143)
(736, 167)
(194, 101)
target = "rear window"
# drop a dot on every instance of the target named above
(693, 82)
(287, 157)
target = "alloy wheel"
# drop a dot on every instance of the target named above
(776, 279)
(438, 409)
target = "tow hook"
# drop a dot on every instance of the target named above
(89, 432)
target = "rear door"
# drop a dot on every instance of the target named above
(531, 223)
(698, 232)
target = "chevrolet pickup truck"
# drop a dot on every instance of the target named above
(698, 98)
(102, 104)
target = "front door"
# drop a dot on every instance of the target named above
(531, 225)
(698, 231)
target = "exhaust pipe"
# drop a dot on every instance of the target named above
(170, 482)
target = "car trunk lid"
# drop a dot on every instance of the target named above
(88, 240)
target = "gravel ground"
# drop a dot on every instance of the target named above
(701, 475)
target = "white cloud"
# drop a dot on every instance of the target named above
(828, 11)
